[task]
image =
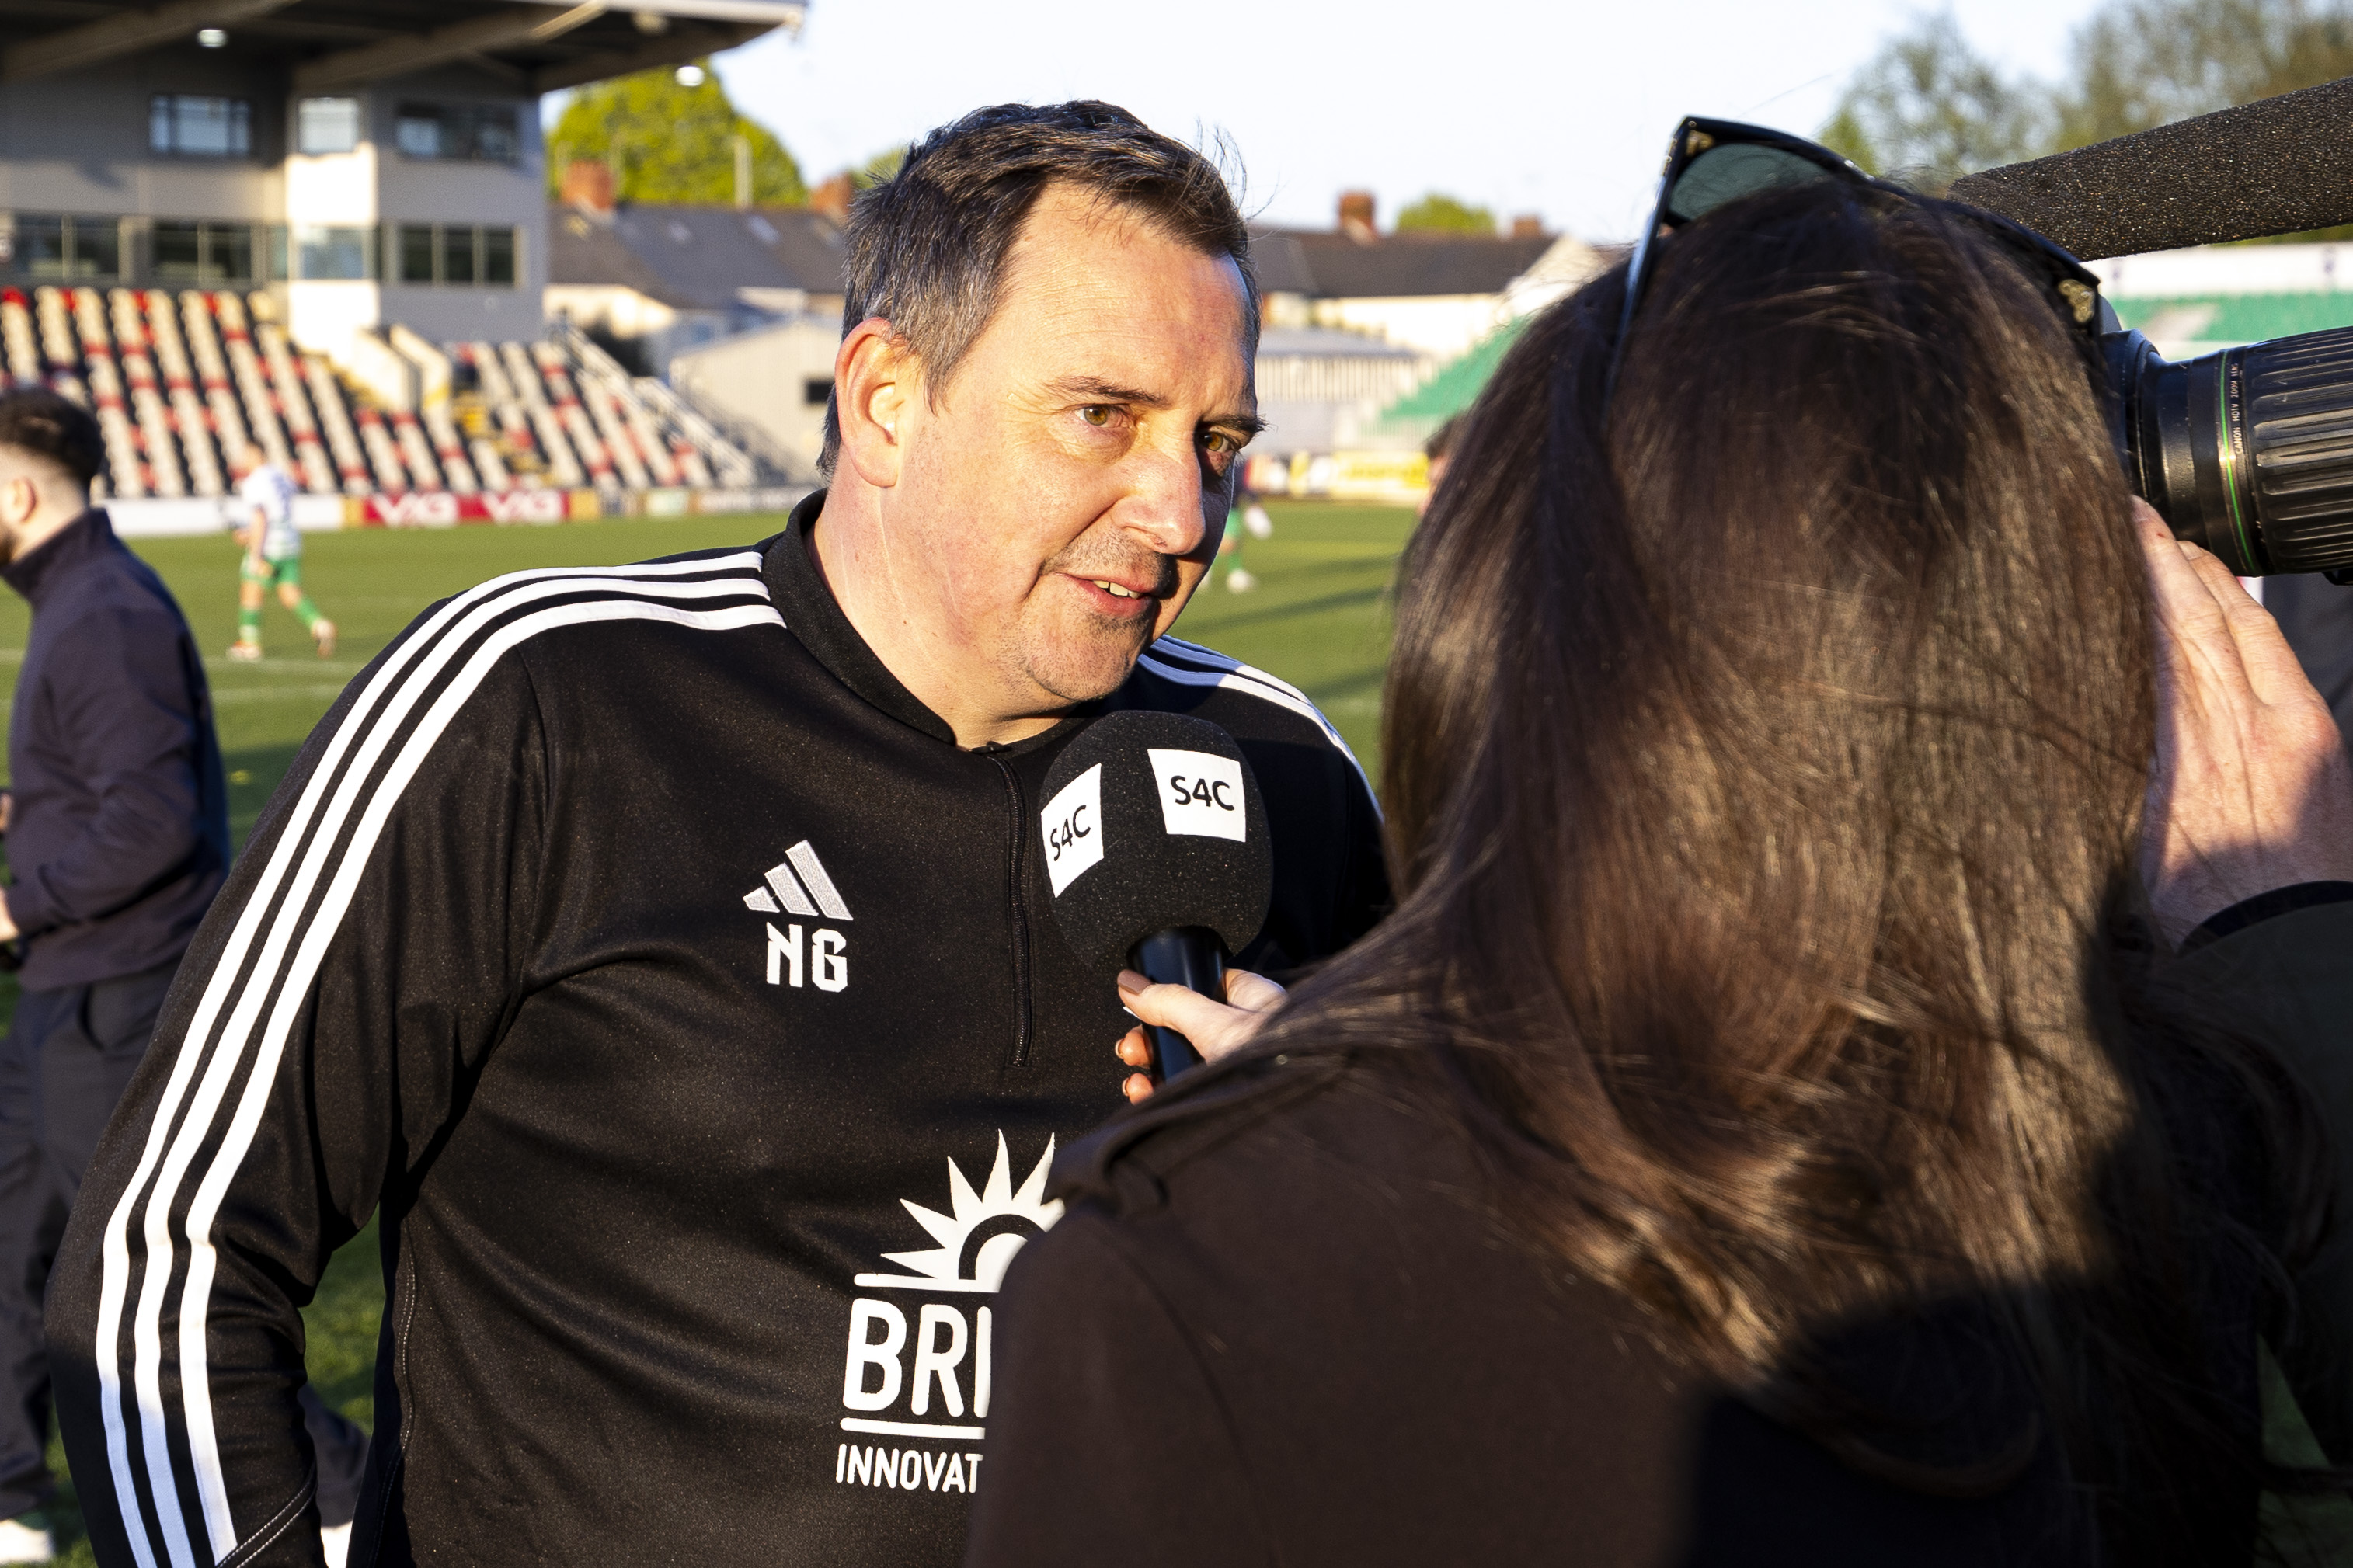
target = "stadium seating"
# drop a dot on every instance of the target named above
(182, 382)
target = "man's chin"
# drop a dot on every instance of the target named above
(1086, 667)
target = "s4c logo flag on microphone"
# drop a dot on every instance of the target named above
(1073, 822)
(915, 1373)
(1200, 794)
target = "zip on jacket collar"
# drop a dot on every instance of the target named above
(813, 615)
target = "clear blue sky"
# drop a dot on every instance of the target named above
(1519, 105)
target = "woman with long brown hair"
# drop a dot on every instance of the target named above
(1816, 1100)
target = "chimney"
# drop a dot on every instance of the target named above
(1356, 215)
(588, 185)
(831, 199)
(1527, 225)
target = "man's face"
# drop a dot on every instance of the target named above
(1065, 491)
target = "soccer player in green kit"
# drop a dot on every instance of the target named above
(272, 559)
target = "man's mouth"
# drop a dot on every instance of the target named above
(1113, 589)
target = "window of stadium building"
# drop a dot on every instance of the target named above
(323, 125)
(482, 133)
(464, 255)
(195, 126)
(334, 253)
(203, 253)
(51, 249)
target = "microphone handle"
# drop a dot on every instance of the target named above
(1191, 956)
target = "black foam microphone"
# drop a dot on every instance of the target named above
(1155, 843)
(2279, 165)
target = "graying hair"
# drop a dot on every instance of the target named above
(927, 246)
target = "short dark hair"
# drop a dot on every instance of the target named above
(35, 419)
(927, 246)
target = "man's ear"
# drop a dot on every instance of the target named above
(876, 381)
(20, 498)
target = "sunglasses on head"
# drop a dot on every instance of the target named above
(1713, 162)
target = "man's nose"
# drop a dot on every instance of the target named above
(1163, 506)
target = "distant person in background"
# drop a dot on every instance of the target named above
(117, 826)
(1248, 517)
(1440, 450)
(273, 557)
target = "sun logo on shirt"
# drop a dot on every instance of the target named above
(984, 1229)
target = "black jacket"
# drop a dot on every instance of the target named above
(119, 836)
(1282, 1325)
(691, 1004)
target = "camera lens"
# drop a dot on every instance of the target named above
(2248, 451)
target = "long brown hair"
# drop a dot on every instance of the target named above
(1764, 759)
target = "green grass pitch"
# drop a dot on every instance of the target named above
(1317, 617)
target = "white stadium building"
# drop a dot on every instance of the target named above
(321, 226)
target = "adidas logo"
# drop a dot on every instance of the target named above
(798, 885)
(794, 891)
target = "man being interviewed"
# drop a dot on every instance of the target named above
(665, 949)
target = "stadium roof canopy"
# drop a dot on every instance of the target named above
(331, 45)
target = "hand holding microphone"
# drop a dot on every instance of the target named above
(1215, 1028)
(1156, 846)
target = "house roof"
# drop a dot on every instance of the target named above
(1335, 265)
(331, 45)
(696, 258)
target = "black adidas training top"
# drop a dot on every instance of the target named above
(692, 1006)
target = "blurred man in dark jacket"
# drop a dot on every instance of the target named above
(117, 831)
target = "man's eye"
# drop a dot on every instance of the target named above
(1219, 441)
(1099, 414)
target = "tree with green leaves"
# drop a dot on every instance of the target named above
(1438, 213)
(2144, 63)
(884, 166)
(1928, 109)
(666, 142)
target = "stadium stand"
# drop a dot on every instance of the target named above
(180, 382)
(318, 228)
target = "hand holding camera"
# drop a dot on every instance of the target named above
(2251, 790)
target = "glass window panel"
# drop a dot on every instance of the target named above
(499, 256)
(278, 252)
(416, 243)
(458, 254)
(335, 253)
(228, 253)
(200, 126)
(326, 125)
(494, 134)
(418, 133)
(476, 131)
(179, 252)
(97, 248)
(41, 245)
